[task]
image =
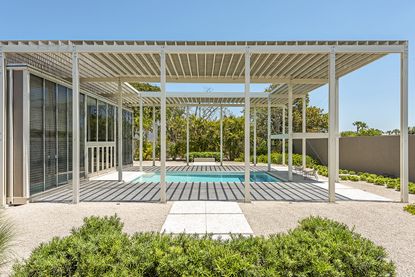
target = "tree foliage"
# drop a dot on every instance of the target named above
(205, 128)
(362, 129)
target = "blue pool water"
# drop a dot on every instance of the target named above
(176, 177)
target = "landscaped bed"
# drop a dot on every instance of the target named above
(317, 247)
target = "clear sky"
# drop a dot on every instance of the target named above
(370, 94)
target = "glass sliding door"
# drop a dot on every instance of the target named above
(62, 129)
(36, 135)
(50, 136)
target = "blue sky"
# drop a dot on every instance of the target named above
(370, 94)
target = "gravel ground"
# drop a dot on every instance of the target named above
(386, 224)
(39, 222)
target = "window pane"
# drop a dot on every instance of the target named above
(62, 135)
(110, 123)
(102, 121)
(50, 135)
(36, 135)
(82, 133)
(92, 119)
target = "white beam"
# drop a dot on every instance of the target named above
(154, 135)
(205, 49)
(304, 146)
(221, 135)
(247, 125)
(187, 135)
(332, 126)
(2, 128)
(141, 133)
(269, 133)
(404, 149)
(75, 127)
(290, 132)
(163, 127)
(283, 132)
(120, 137)
(254, 135)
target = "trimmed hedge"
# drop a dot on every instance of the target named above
(317, 247)
(276, 158)
(410, 208)
(193, 155)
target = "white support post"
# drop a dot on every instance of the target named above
(221, 135)
(283, 132)
(247, 125)
(2, 129)
(269, 132)
(75, 127)
(337, 132)
(332, 126)
(154, 135)
(290, 132)
(404, 148)
(187, 135)
(254, 135)
(304, 145)
(141, 133)
(119, 123)
(163, 127)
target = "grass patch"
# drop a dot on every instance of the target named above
(410, 208)
(317, 247)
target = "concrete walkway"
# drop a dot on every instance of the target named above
(206, 217)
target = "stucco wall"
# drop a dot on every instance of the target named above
(378, 154)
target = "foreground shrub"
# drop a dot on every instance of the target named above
(6, 237)
(317, 247)
(410, 208)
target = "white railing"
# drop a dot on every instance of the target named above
(100, 157)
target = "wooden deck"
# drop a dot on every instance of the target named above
(112, 191)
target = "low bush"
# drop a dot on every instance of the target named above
(363, 177)
(317, 247)
(410, 208)
(354, 178)
(193, 155)
(380, 181)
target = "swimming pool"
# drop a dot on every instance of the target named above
(175, 177)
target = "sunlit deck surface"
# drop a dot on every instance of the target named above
(134, 191)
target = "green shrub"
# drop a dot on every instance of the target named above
(193, 155)
(363, 177)
(380, 181)
(370, 180)
(354, 178)
(344, 177)
(411, 188)
(391, 183)
(410, 208)
(351, 172)
(317, 247)
(6, 236)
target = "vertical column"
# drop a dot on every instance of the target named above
(304, 146)
(404, 149)
(337, 132)
(269, 131)
(10, 143)
(75, 127)
(283, 132)
(141, 133)
(2, 128)
(154, 135)
(332, 126)
(221, 135)
(187, 135)
(247, 124)
(290, 132)
(254, 136)
(119, 123)
(163, 127)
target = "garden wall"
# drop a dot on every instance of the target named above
(378, 154)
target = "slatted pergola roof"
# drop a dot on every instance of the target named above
(103, 63)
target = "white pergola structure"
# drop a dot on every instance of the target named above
(295, 67)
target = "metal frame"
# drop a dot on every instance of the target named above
(307, 73)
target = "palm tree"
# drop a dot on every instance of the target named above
(6, 236)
